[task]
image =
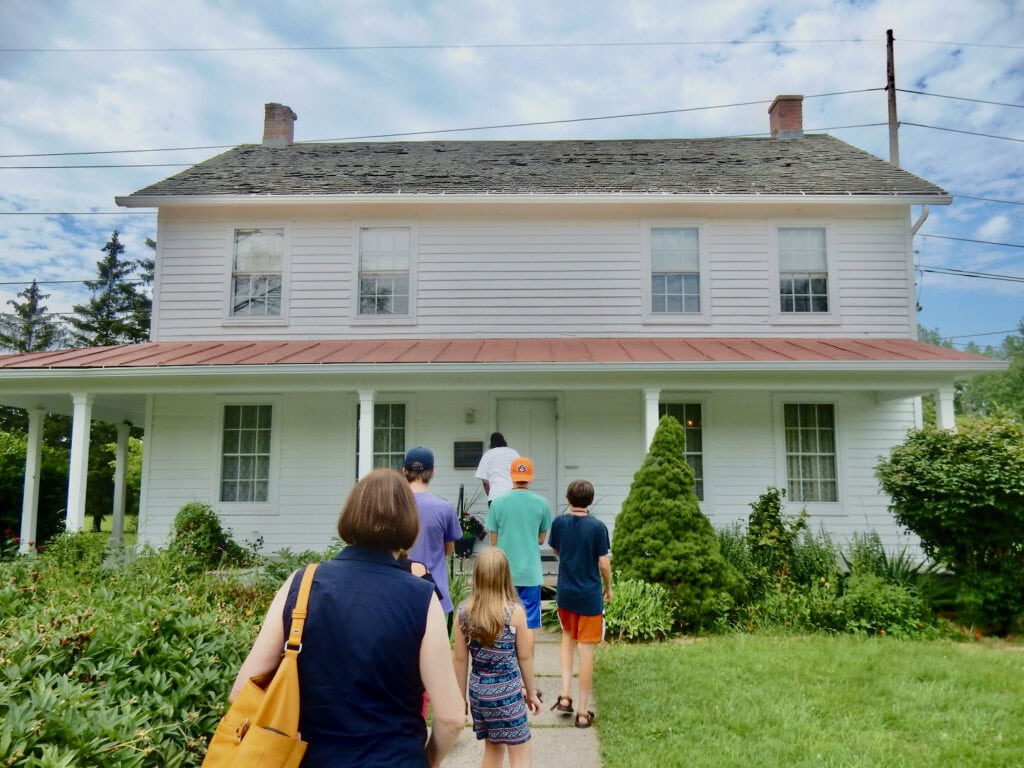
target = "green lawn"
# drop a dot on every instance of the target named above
(817, 701)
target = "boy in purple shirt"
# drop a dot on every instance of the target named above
(439, 525)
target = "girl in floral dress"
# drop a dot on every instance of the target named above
(491, 628)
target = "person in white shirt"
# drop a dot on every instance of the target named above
(493, 469)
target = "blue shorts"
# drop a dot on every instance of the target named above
(530, 598)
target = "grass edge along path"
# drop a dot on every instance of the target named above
(811, 701)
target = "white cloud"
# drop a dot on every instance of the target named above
(61, 102)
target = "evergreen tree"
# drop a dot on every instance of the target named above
(118, 312)
(662, 537)
(31, 328)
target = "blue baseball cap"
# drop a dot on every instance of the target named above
(419, 459)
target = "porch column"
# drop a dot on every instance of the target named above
(30, 495)
(78, 473)
(120, 470)
(652, 398)
(944, 408)
(365, 432)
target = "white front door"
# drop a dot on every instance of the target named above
(529, 426)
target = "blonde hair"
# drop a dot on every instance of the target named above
(493, 591)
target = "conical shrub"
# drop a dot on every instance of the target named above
(662, 537)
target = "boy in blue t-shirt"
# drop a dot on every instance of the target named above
(581, 544)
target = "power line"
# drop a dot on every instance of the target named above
(82, 167)
(990, 200)
(961, 98)
(443, 130)
(969, 273)
(972, 335)
(956, 130)
(486, 46)
(76, 213)
(431, 46)
(969, 240)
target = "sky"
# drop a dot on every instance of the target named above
(84, 86)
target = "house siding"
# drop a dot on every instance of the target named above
(599, 435)
(539, 277)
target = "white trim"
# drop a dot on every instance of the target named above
(227, 319)
(610, 198)
(78, 470)
(703, 317)
(270, 506)
(778, 317)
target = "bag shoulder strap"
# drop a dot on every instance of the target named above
(301, 610)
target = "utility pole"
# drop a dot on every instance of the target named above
(890, 87)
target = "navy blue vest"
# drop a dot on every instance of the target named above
(359, 677)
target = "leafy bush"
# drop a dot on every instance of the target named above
(118, 667)
(772, 537)
(200, 542)
(81, 552)
(662, 537)
(875, 606)
(638, 611)
(962, 493)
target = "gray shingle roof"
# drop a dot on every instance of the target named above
(815, 164)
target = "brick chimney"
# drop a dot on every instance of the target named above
(786, 117)
(278, 125)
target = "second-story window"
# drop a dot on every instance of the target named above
(256, 273)
(803, 270)
(675, 270)
(384, 261)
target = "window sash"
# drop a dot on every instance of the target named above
(389, 425)
(803, 270)
(257, 272)
(384, 270)
(689, 416)
(675, 270)
(245, 453)
(811, 452)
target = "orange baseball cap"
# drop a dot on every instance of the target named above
(521, 470)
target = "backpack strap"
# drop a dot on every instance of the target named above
(301, 610)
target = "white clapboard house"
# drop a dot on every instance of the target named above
(318, 308)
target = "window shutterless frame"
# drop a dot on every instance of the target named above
(258, 267)
(247, 449)
(803, 273)
(384, 256)
(676, 281)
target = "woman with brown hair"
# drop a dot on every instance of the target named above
(374, 639)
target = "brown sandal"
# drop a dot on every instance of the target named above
(584, 720)
(567, 707)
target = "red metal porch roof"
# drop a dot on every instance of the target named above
(504, 350)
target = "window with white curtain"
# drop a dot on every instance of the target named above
(811, 451)
(245, 453)
(803, 270)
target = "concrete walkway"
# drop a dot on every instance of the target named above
(556, 740)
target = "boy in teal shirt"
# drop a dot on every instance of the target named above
(518, 522)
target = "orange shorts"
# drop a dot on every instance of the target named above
(582, 629)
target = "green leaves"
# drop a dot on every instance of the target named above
(962, 493)
(662, 537)
(117, 667)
